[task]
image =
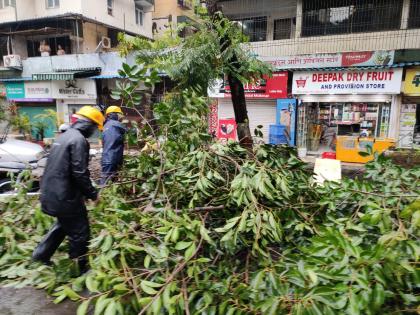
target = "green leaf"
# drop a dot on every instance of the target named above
(190, 251)
(147, 289)
(147, 261)
(83, 308)
(101, 304)
(111, 309)
(182, 245)
(378, 296)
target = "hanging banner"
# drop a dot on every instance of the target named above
(348, 59)
(74, 89)
(267, 88)
(286, 116)
(367, 58)
(407, 125)
(227, 129)
(412, 82)
(348, 82)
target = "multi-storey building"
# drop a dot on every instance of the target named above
(169, 14)
(345, 61)
(58, 54)
(77, 26)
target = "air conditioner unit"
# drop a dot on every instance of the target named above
(12, 61)
(106, 42)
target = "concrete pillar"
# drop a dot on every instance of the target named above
(394, 121)
(299, 17)
(405, 14)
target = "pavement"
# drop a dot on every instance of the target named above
(29, 301)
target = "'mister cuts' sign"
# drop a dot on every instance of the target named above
(348, 82)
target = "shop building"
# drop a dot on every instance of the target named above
(339, 108)
(265, 99)
(409, 119)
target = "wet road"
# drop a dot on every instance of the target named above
(29, 301)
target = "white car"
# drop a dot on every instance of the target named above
(17, 156)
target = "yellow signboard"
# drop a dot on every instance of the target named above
(412, 82)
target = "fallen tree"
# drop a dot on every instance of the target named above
(196, 227)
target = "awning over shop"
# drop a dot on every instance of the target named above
(64, 75)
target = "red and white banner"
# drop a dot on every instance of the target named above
(347, 59)
(348, 82)
(274, 87)
(227, 129)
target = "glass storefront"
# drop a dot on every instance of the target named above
(321, 123)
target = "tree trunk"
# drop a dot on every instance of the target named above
(241, 112)
(236, 86)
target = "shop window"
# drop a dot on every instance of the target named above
(414, 16)
(331, 17)
(282, 29)
(51, 4)
(254, 28)
(139, 16)
(110, 6)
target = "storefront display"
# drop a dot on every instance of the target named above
(342, 107)
(409, 131)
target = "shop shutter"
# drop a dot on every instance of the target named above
(260, 112)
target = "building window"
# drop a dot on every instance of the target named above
(7, 3)
(254, 28)
(139, 16)
(414, 17)
(53, 4)
(350, 16)
(110, 5)
(282, 29)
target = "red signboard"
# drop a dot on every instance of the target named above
(227, 129)
(269, 87)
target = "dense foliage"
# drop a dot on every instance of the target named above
(196, 227)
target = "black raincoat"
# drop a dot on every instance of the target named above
(66, 181)
(64, 187)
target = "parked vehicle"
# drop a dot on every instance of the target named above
(17, 156)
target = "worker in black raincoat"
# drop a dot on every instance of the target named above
(113, 143)
(65, 186)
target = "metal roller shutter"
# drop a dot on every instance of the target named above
(260, 112)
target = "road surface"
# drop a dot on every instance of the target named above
(29, 301)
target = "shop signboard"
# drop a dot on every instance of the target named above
(347, 82)
(331, 60)
(267, 88)
(286, 116)
(74, 89)
(15, 90)
(412, 82)
(227, 129)
(29, 92)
